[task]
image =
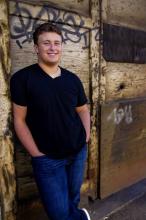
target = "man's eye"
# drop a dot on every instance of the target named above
(57, 43)
(46, 43)
(49, 44)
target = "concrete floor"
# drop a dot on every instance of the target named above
(128, 204)
(123, 205)
(134, 211)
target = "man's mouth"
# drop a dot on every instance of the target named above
(52, 53)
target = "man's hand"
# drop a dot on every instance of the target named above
(87, 137)
(37, 154)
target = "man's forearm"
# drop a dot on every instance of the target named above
(26, 138)
(85, 118)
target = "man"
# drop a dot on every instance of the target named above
(52, 121)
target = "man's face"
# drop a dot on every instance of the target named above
(49, 48)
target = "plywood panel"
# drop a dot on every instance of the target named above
(123, 145)
(124, 81)
(81, 7)
(129, 13)
(7, 169)
(47, 13)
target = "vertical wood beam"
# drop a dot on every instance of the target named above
(7, 171)
(94, 88)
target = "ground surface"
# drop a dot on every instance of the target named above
(128, 204)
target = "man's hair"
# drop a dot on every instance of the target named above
(45, 27)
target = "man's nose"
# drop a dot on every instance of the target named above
(52, 46)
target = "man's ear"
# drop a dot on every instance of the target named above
(36, 48)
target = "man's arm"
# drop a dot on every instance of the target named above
(84, 115)
(23, 131)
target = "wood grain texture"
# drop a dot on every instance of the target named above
(122, 99)
(7, 170)
(81, 7)
(123, 150)
(124, 81)
(93, 172)
(47, 13)
(129, 13)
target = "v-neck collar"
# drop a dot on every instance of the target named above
(47, 75)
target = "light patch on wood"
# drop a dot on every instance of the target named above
(7, 171)
(79, 6)
(5, 111)
(125, 81)
(43, 13)
(93, 172)
(8, 186)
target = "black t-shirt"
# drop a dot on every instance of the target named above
(51, 116)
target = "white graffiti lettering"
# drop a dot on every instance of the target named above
(119, 114)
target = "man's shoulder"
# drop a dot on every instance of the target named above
(70, 74)
(24, 72)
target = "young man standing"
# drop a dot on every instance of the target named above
(52, 121)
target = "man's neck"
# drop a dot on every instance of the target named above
(49, 69)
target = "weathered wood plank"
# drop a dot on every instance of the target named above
(81, 7)
(48, 13)
(93, 162)
(122, 141)
(27, 188)
(124, 81)
(123, 150)
(22, 162)
(7, 170)
(129, 13)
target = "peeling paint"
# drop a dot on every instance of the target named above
(7, 171)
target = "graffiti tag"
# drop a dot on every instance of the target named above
(22, 29)
(125, 113)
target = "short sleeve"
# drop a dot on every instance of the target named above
(18, 89)
(82, 99)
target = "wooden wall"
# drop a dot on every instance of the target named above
(129, 13)
(122, 150)
(81, 7)
(81, 43)
(7, 169)
(116, 91)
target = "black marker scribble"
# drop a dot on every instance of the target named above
(72, 30)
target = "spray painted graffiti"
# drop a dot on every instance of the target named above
(120, 114)
(22, 29)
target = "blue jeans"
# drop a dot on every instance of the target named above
(59, 182)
